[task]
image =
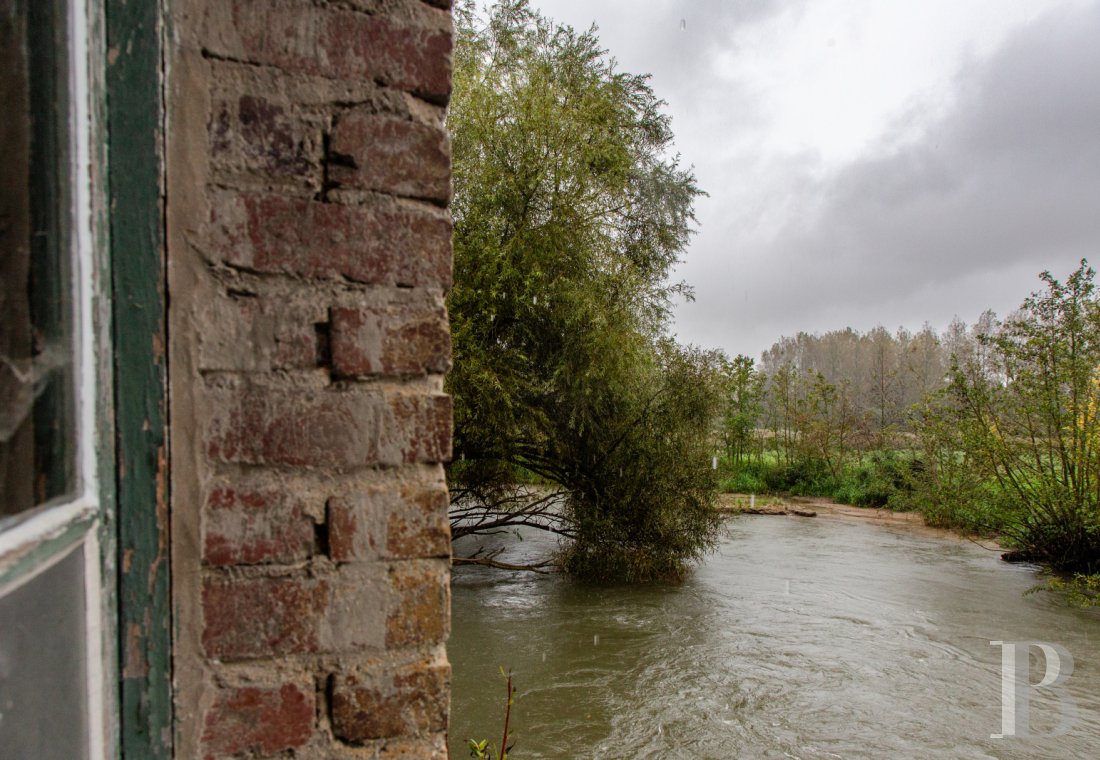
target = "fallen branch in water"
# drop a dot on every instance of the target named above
(535, 568)
(490, 560)
(768, 511)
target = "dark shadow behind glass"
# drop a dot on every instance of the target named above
(37, 398)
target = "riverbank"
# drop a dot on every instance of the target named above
(801, 506)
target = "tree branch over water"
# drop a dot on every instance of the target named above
(490, 511)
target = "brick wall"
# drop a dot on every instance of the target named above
(309, 256)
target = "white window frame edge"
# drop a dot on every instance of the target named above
(80, 78)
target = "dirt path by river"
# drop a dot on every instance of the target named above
(910, 522)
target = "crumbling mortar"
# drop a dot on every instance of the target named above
(371, 387)
(256, 476)
(380, 469)
(216, 263)
(433, 99)
(409, 10)
(308, 379)
(238, 181)
(338, 288)
(303, 569)
(317, 96)
(232, 181)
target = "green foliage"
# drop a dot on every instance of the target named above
(948, 488)
(881, 480)
(745, 477)
(1028, 420)
(1080, 590)
(827, 424)
(878, 480)
(806, 476)
(744, 396)
(569, 216)
(643, 490)
(1009, 445)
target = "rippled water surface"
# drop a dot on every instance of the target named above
(798, 638)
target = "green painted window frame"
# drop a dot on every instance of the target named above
(135, 31)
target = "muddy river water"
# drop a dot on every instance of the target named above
(798, 638)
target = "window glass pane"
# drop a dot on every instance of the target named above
(43, 692)
(37, 436)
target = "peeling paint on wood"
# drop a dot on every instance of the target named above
(135, 122)
(135, 665)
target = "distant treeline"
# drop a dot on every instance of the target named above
(844, 392)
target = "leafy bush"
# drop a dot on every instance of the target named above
(882, 480)
(1081, 590)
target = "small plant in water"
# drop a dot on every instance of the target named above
(1081, 590)
(482, 749)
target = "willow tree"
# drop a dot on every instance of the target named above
(570, 212)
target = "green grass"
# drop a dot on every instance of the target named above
(876, 480)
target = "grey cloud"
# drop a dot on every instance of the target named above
(648, 37)
(1007, 179)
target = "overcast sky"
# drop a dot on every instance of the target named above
(870, 162)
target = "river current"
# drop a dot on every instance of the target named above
(797, 638)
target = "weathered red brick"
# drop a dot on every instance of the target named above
(349, 530)
(422, 613)
(422, 528)
(262, 617)
(334, 429)
(410, 51)
(389, 341)
(259, 719)
(391, 155)
(385, 243)
(405, 702)
(390, 522)
(331, 429)
(251, 134)
(277, 335)
(299, 344)
(415, 428)
(280, 110)
(248, 526)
